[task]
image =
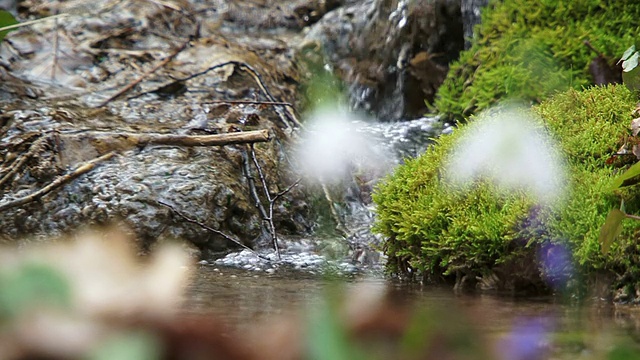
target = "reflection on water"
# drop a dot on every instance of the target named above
(240, 297)
(518, 327)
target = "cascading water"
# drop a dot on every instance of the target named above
(346, 156)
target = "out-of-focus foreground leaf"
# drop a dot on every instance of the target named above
(134, 345)
(32, 285)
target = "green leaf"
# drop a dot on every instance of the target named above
(6, 19)
(630, 69)
(632, 172)
(630, 63)
(628, 53)
(611, 229)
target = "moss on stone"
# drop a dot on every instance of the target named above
(435, 230)
(532, 49)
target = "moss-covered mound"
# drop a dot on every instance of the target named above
(530, 49)
(440, 232)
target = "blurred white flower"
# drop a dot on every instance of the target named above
(331, 148)
(508, 147)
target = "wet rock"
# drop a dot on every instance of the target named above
(471, 10)
(392, 76)
(264, 14)
(233, 51)
(184, 78)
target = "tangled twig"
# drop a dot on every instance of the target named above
(57, 182)
(208, 228)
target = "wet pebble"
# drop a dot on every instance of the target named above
(305, 261)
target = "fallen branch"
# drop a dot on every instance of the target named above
(57, 182)
(124, 140)
(254, 193)
(340, 227)
(250, 102)
(218, 232)
(35, 147)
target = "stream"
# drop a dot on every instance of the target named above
(242, 290)
(245, 290)
(542, 327)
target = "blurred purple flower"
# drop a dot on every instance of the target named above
(527, 340)
(555, 263)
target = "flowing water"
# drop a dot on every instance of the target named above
(253, 292)
(519, 327)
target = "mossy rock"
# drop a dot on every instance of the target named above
(532, 49)
(439, 232)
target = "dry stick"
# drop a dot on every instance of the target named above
(132, 84)
(266, 217)
(634, 217)
(272, 201)
(253, 102)
(218, 232)
(264, 89)
(57, 182)
(254, 193)
(31, 22)
(16, 165)
(56, 48)
(139, 139)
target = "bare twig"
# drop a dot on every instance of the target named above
(215, 231)
(287, 111)
(56, 48)
(57, 182)
(283, 192)
(588, 44)
(634, 217)
(253, 102)
(126, 140)
(16, 165)
(252, 190)
(272, 200)
(132, 84)
(268, 218)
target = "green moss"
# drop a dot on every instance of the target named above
(532, 49)
(433, 228)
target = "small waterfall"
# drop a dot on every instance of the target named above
(351, 198)
(397, 140)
